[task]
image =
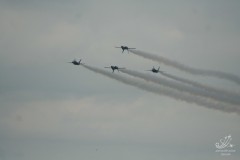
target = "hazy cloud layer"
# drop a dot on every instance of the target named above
(51, 109)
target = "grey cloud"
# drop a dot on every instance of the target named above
(38, 37)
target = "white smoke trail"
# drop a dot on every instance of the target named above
(188, 69)
(223, 92)
(183, 87)
(161, 90)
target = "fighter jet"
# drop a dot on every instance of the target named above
(114, 67)
(125, 48)
(75, 62)
(155, 70)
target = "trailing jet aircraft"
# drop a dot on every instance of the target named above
(75, 62)
(155, 70)
(125, 48)
(114, 68)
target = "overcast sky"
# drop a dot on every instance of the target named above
(52, 110)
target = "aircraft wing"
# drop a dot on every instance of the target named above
(131, 48)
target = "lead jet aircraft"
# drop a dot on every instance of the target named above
(155, 70)
(114, 67)
(125, 48)
(75, 62)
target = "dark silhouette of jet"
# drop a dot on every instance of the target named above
(114, 67)
(155, 70)
(125, 48)
(75, 62)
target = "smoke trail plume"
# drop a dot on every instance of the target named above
(188, 69)
(208, 88)
(183, 87)
(161, 90)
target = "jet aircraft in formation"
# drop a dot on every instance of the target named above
(114, 68)
(75, 62)
(125, 48)
(155, 70)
